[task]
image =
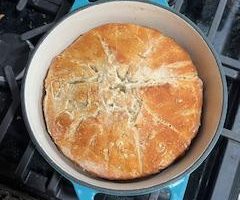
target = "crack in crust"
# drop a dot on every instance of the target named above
(139, 152)
(160, 120)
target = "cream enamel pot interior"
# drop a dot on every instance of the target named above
(146, 14)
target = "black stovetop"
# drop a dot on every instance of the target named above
(24, 174)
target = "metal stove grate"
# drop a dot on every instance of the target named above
(217, 177)
(23, 169)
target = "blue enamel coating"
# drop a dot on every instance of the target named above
(84, 193)
(161, 2)
(79, 4)
(177, 189)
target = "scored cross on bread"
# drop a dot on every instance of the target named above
(123, 101)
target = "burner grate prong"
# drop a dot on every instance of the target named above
(178, 5)
(22, 168)
(163, 194)
(217, 19)
(35, 32)
(7, 120)
(232, 63)
(21, 4)
(53, 185)
(232, 135)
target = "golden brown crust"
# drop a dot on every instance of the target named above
(123, 101)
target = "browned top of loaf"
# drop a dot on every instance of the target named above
(123, 101)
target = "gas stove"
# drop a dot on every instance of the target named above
(24, 174)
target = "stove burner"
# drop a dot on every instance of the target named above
(14, 52)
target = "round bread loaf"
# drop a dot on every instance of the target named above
(123, 101)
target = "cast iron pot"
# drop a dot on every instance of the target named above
(146, 14)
